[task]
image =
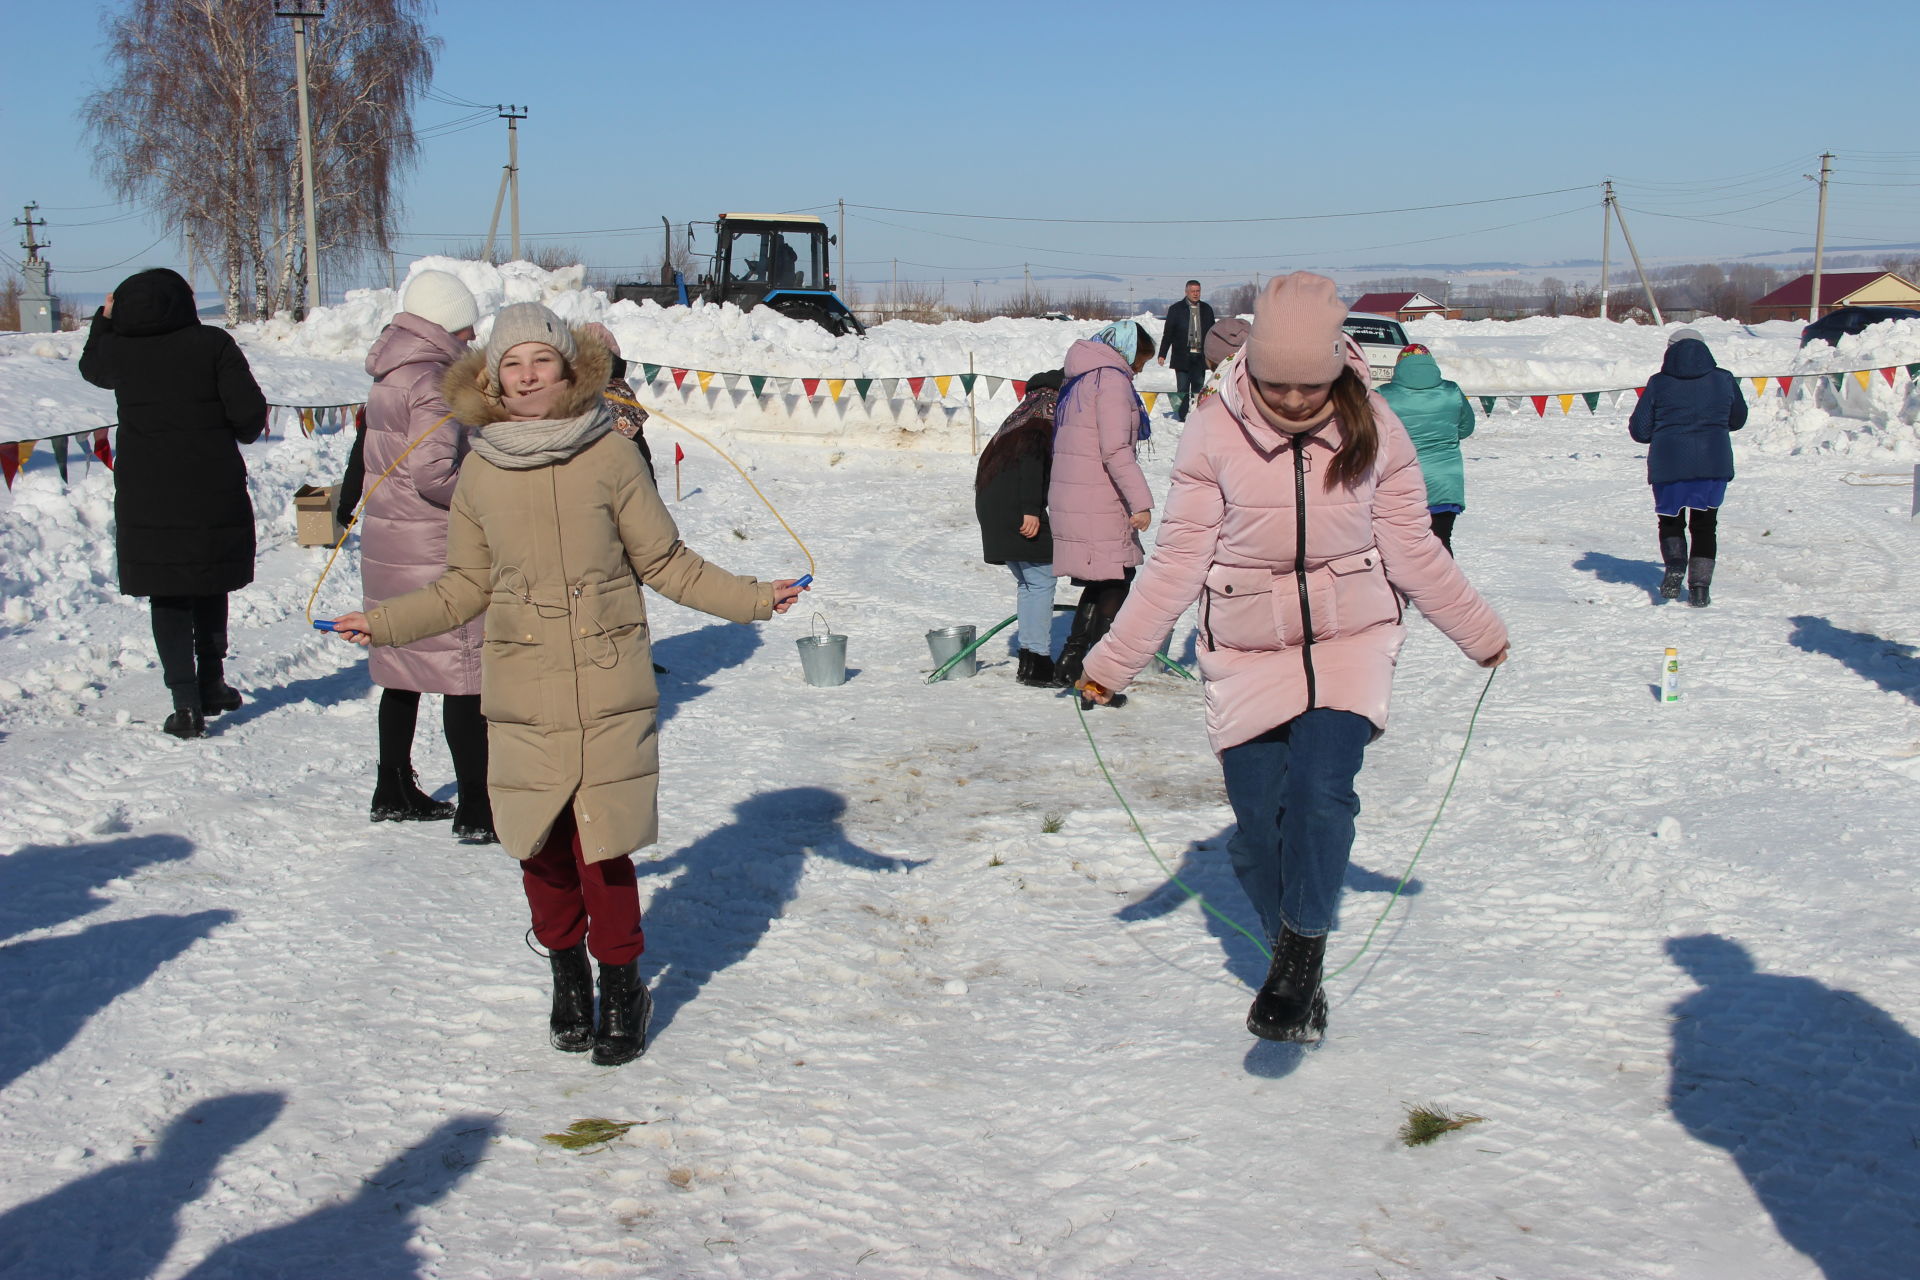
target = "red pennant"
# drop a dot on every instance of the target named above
(10, 462)
(811, 386)
(679, 376)
(1786, 385)
(101, 449)
(679, 454)
(1887, 373)
(1540, 405)
(1019, 389)
(917, 383)
(1640, 391)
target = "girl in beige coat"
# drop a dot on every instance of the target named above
(552, 520)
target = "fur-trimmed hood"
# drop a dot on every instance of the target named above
(474, 396)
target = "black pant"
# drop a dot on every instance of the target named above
(1191, 382)
(460, 718)
(1442, 522)
(191, 634)
(1703, 524)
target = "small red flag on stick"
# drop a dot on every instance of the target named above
(678, 455)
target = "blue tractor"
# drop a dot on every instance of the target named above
(776, 260)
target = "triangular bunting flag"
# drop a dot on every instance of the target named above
(1593, 400)
(1486, 405)
(888, 386)
(758, 382)
(60, 455)
(306, 422)
(1179, 399)
(26, 450)
(704, 378)
(1539, 405)
(1913, 371)
(861, 386)
(1759, 386)
(916, 385)
(993, 386)
(1150, 397)
(650, 371)
(943, 381)
(834, 386)
(1640, 392)
(966, 382)
(1019, 389)
(9, 462)
(1863, 377)
(1839, 380)
(1566, 402)
(679, 377)
(1887, 373)
(731, 381)
(812, 386)
(101, 449)
(1786, 384)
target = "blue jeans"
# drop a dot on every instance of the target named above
(1292, 794)
(1033, 600)
(1191, 382)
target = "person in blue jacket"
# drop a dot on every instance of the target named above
(1436, 414)
(1686, 418)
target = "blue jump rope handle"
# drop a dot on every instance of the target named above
(321, 624)
(803, 581)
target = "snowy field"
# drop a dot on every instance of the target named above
(1666, 951)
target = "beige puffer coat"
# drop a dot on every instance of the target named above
(550, 554)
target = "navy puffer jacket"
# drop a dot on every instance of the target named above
(1687, 415)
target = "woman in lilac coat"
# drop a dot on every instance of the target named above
(1097, 498)
(403, 545)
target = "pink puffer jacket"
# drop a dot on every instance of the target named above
(1096, 483)
(1282, 632)
(403, 532)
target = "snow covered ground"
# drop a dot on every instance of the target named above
(1666, 951)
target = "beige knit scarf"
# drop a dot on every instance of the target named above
(522, 446)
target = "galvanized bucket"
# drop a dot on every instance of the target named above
(945, 643)
(823, 656)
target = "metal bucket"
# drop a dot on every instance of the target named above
(945, 642)
(823, 656)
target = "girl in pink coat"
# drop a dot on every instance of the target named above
(1097, 498)
(1298, 518)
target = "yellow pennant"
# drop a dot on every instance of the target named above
(1566, 403)
(1759, 386)
(704, 377)
(26, 450)
(306, 422)
(943, 382)
(833, 387)
(1865, 377)
(1150, 397)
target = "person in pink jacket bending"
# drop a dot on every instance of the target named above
(1298, 518)
(1097, 498)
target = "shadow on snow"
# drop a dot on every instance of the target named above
(1889, 664)
(1644, 574)
(694, 657)
(42, 885)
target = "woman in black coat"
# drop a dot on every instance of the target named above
(1010, 499)
(183, 524)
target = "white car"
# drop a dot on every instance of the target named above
(1381, 338)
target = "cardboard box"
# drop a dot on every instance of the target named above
(315, 522)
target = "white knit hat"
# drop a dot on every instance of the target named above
(526, 322)
(440, 297)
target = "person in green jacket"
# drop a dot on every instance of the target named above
(1436, 414)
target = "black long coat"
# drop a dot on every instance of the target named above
(1011, 480)
(1173, 337)
(183, 523)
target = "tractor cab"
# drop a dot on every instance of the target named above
(778, 261)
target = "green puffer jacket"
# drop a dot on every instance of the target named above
(1438, 417)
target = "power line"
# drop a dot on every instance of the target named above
(82, 271)
(1193, 222)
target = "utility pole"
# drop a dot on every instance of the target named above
(842, 238)
(39, 313)
(893, 294)
(1628, 237)
(1606, 245)
(1820, 233)
(300, 17)
(509, 177)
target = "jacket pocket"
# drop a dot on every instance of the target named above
(1239, 609)
(510, 662)
(1358, 595)
(613, 660)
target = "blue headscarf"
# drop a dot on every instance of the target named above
(1124, 336)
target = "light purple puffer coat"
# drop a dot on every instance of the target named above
(403, 532)
(1096, 482)
(1283, 628)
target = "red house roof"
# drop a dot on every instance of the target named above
(1834, 285)
(1386, 304)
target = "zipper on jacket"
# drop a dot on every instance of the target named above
(1300, 561)
(1206, 616)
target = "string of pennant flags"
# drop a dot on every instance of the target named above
(95, 443)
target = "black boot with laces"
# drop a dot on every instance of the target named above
(570, 1027)
(626, 1006)
(1290, 1004)
(397, 797)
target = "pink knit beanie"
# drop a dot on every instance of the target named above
(1296, 331)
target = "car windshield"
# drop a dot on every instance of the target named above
(1378, 333)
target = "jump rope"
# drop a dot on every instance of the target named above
(1172, 876)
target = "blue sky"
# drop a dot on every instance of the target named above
(1179, 109)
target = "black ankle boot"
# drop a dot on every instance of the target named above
(625, 1008)
(219, 697)
(1066, 670)
(473, 821)
(185, 722)
(570, 1026)
(1673, 553)
(397, 798)
(1039, 670)
(1290, 1004)
(1699, 578)
(1025, 668)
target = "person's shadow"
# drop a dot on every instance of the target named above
(733, 883)
(348, 684)
(1815, 1093)
(694, 657)
(42, 885)
(1633, 573)
(121, 1222)
(1889, 664)
(366, 1237)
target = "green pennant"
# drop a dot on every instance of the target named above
(650, 371)
(1593, 400)
(758, 381)
(862, 385)
(966, 382)
(1913, 371)
(59, 444)
(1179, 399)
(1839, 381)
(1486, 405)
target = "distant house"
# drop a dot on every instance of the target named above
(1837, 289)
(1404, 306)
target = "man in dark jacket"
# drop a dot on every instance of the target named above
(1686, 417)
(1184, 338)
(183, 523)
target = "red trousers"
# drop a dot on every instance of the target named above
(573, 899)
